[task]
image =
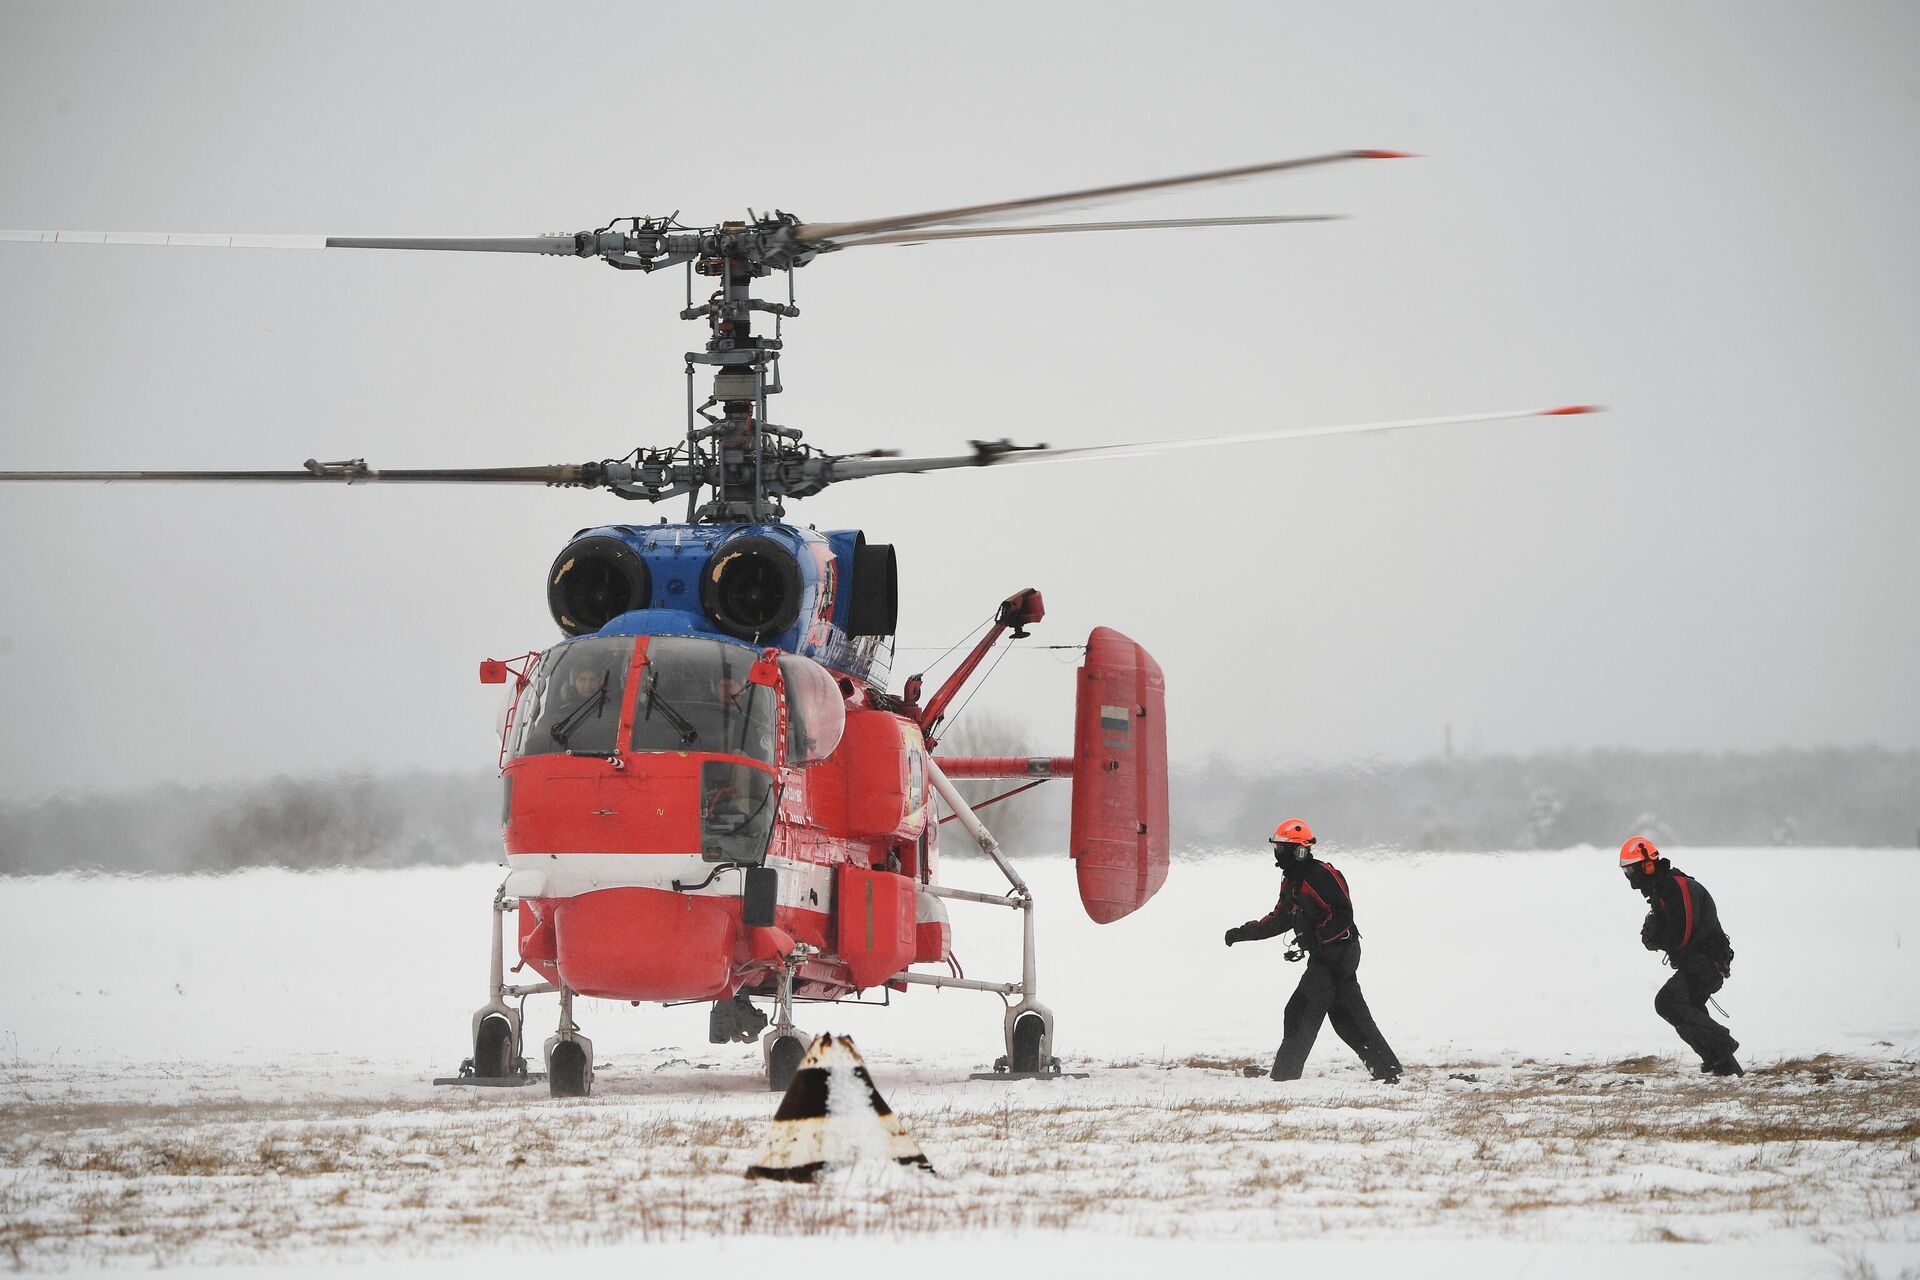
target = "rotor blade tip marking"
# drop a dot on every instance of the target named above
(1567, 410)
(1388, 155)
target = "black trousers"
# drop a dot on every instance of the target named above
(1683, 1002)
(1330, 990)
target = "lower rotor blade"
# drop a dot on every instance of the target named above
(1147, 448)
(993, 455)
(1061, 228)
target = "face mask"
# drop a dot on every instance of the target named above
(1287, 855)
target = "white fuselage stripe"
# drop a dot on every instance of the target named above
(807, 886)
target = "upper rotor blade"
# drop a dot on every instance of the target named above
(565, 246)
(355, 472)
(990, 455)
(811, 231)
(194, 240)
(561, 245)
(1060, 228)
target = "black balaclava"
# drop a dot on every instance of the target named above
(1644, 883)
(1292, 859)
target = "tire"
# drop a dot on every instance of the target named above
(493, 1049)
(567, 1071)
(783, 1062)
(1028, 1030)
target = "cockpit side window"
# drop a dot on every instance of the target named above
(737, 804)
(816, 710)
(573, 702)
(695, 696)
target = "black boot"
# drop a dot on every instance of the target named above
(1727, 1066)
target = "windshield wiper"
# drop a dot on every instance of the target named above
(564, 728)
(743, 715)
(688, 734)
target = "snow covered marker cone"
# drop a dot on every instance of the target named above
(833, 1116)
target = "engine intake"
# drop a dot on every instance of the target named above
(752, 587)
(593, 581)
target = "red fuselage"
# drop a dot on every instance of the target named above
(644, 773)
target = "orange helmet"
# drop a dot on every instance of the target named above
(1292, 831)
(1637, 851)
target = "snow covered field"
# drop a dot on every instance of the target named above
(235, 1071)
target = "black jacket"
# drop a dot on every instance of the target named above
(1681, 916)
(1314, 903)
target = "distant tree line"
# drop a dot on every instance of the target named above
(1829, 797)
(352, 821)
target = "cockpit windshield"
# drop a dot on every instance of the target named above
(573, 702)
(695, 696)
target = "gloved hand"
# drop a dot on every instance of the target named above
(1236, 934)
(1650, 931)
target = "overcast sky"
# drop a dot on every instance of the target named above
(1702, 215)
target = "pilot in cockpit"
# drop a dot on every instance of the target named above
(582, 710)
(585, 683)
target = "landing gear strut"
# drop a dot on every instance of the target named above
(498, 1049)
(1029, 1024)
(784, 1045)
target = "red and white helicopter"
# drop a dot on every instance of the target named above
(712, 794)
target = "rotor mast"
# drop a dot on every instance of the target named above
(745, 447)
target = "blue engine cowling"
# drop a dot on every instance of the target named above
(831, 597)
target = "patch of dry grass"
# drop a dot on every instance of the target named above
(1185, 1150)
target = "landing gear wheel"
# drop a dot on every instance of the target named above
(783, 1061)
(568, 1074)
(1029, 1033)
(493, 1049)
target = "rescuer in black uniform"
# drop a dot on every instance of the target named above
(1683, 922)
(1315, 905)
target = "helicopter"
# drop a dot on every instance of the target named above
(711, 791)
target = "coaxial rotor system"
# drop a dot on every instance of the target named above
(749, 465)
